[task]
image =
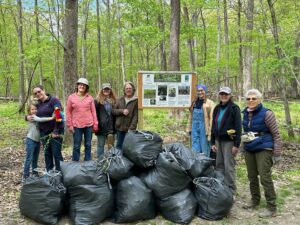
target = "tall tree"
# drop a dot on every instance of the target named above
(70, 46)
(240, 40)
(247, 71)
(21, 57)
(37, 30)
(280, 75)
(190, 40)
(162, 44)
(174, 35)
(226, 40)
(121, 46)
(99, 62)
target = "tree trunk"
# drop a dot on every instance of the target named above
(99, 62)
(37, 29)
(296, 64)
(70, 46)
(189, 41)
(21, 58)
(240, 48)
(174, 35)
(204, 38)
(281, 77)
(247, 72)
(121, 47)
(195, 17)
(218, 58)
(85, 12)
(226, 40)
(108, 33)
(162, 48)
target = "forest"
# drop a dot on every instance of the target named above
(242, 44)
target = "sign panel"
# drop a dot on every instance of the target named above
(165, 89)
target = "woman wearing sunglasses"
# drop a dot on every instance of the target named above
(226, 136)
(260, 150)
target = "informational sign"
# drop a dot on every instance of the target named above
(165, 89)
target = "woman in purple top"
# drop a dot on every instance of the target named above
(51, 132)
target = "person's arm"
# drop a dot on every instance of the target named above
(95, 120)
(134, 120)
(271, 123)
(59, 126)
(212, 107)
(212, 138)
(117, 110)
(42, 119)
(69, 114)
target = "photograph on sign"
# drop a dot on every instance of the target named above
(164, 90)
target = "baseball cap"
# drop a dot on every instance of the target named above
(226, 90)
(106, 85)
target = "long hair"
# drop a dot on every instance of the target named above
(101, 97)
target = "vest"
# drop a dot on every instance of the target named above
(257, 124)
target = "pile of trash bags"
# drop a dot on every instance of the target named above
(144, 179)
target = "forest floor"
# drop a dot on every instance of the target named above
(286, 179)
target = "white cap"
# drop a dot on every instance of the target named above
(226, 90)
(106, 85)
(83, 81)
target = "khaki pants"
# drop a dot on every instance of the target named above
(260, 164)
(225, 163)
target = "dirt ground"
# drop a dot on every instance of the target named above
(11, 161)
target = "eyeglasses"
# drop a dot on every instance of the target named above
(106, 89)
(38, 92)
(223, 93)
(252, 99)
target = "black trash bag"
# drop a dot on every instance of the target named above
(90, 204)
(116, 165)
(134, 201)
(167, 177)
(78, 173)
(178, 208)
(186, 157)
(214, 198)
(142, 147)
(42, 198)
(202, 166)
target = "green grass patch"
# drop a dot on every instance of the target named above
(241, 173)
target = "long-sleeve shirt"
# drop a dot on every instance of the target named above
(81, 112)
(33, 130)
(46, 109)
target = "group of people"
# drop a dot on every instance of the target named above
(218, 129)
(213, 129)
(105, 116)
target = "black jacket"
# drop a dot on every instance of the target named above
(106, 122)
(231, 120)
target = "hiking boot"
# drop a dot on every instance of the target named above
(251, 205)
(110, 140)
(267, 213)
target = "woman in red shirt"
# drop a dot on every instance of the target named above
(81, 119)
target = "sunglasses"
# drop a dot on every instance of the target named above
(252, 99)
(223, 93)
(38, 92)
(106, 89)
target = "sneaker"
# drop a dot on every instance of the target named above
(110, 140)
(267, 213)
(251, 205)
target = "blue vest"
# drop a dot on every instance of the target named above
(257, 124)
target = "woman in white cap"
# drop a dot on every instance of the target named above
(226, 136)
(81, 119)
(104, 103)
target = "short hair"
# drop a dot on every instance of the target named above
(38, 86)
(255, 92)
(131, 84)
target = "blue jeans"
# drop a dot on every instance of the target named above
(32, 156)
(120, 139)
(77, 138)
(100, 145)
(52, 148)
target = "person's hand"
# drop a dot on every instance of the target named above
(55, 135)
(71, 130)
(276, 160)
(214, 148)
(95, 129)
(125, 112)
(234, 150)
(29, 118)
